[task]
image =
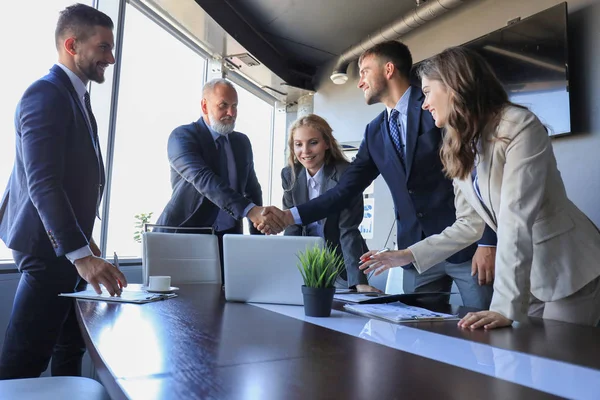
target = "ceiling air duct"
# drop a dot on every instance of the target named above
(424, 13)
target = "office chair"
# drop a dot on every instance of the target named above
(186, 257)
(394, 283)
(53, 388)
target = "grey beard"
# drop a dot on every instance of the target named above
(221, 128)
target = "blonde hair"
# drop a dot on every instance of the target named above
(333, 154)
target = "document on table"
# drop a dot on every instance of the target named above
(127, 296)
(398, 312)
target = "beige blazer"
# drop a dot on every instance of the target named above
(546, 245)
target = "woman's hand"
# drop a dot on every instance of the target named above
(485, 319)
(379, 263)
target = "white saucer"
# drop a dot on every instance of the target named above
(171, 290)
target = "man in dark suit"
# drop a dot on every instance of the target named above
(402, 143)
(47, 212)
(212, 169)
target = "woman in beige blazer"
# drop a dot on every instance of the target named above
(505, 174)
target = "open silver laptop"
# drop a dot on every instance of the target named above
(262, 269)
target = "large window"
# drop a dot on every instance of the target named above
(160, 89)
(28, 56)
(255, 119)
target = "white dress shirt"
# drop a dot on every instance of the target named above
(314, 184)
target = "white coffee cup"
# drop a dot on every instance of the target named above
(159, 283)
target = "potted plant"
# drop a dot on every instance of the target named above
(319, 267)
(140, 220)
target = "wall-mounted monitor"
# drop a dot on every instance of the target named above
(530, 57)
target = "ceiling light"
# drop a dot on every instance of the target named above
(339, 78)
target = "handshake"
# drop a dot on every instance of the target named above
(270, 220)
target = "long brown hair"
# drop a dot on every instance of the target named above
(476, 101)
(333, 154)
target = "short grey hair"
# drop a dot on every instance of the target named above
(210, 85)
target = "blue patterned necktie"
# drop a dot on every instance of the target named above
(395, 134)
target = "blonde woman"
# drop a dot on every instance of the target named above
(504, 172)
(315, 165)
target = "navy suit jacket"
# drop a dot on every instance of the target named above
(198, 191)
(423, 196)
(50, 204)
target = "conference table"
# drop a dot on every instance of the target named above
(198, 346)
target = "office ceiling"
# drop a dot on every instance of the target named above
(294, 37)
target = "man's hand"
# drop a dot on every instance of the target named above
(285, 217)
(269, 220)
(95, 249)
(484, 265)
(367, 289)
(96, 271)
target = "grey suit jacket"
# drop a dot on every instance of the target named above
(340, 228)
(546, 245)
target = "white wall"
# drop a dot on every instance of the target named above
(344, 107)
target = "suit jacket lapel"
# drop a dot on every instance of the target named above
(390, 147)
(329, 177)
(66, 82)
(413, 125)
(64, 79)
(300, 190)
(466, 187)
(484, 173)
(207, 142)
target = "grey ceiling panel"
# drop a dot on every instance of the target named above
(294, 37)
(318, 30)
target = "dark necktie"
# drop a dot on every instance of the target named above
(395, 134)
(224, 221)
(88, 107)
(223, 168)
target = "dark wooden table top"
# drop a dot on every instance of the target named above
(197, 346)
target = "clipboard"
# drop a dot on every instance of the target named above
(127, 296)
(381, 298)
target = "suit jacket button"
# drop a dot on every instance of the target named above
(420, 215)
(410, 191)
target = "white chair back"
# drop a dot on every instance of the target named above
(53, 388)
(186, 258)
(394, 283)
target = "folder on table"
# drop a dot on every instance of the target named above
(377, 298)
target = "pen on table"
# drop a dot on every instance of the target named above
(116, 262)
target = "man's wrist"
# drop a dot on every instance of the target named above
(247, 210)
(78, 254)
(295, 216)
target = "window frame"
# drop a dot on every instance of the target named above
(181, 34)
